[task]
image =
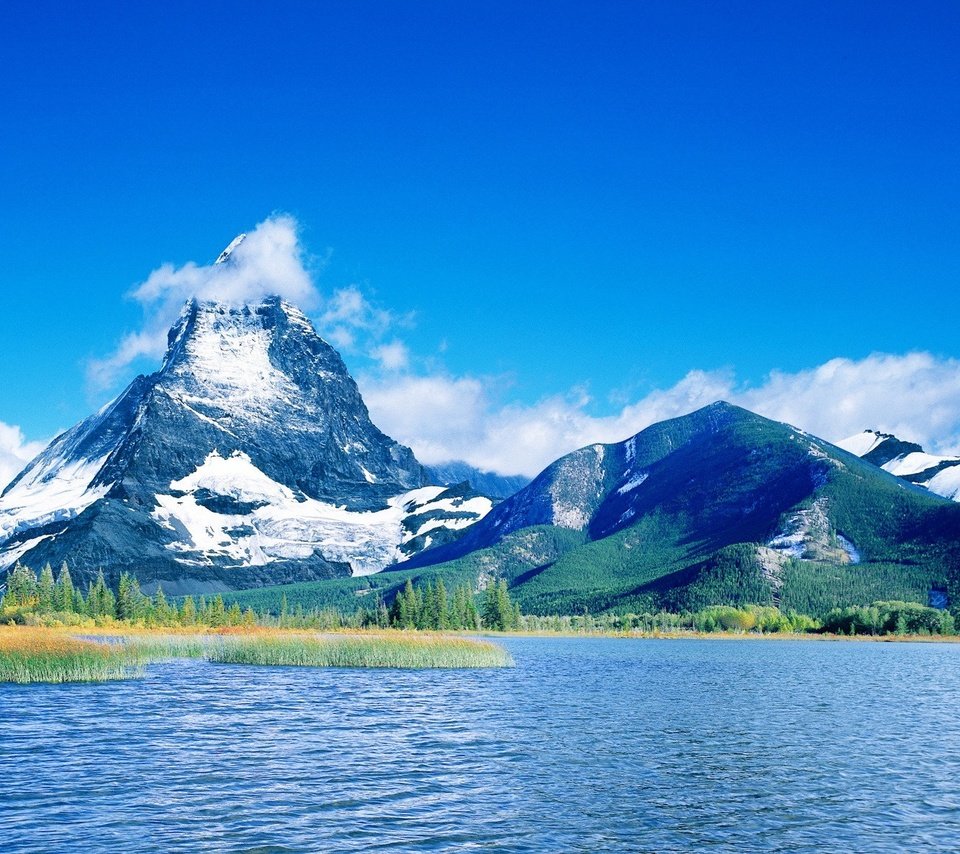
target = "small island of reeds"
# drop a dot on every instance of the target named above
(415, 650)
(34, 654)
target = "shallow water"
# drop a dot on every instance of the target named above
(587, 745)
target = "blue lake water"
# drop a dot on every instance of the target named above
(586, 745)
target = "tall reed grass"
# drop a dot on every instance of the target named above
(392, 650)
(38, 655)
(51, 655)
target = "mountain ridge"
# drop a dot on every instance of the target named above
(251, 380)
(655, 517)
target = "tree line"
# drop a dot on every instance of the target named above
(58, 597)
(880, 618)
(432, 608)
(428, 608)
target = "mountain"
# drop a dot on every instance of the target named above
(718, 506)
(908, 460)
(249, 458)
(486, 482)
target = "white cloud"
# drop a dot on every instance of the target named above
(268, 261)
(351, 322)
(393, 356)
(916, 396)
(15, 452)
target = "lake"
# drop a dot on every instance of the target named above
(592, 744)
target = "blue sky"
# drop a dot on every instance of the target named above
(577, 214)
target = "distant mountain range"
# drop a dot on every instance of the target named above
(249, 459)
(721, 505)
(486, 482)
(908, 460)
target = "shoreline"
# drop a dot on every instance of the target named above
(730, 636)
(118, 629)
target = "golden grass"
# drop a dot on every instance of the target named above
(360, 649)
(43, 655)
(29, 654)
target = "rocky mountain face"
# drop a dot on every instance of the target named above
(941, 475)
(248, 458)
(714, 506)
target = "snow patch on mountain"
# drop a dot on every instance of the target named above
(229, 510)
(223, 256)
(12, 555)
(939, 474)
(807, 534)
(55, 491)
(915, 463)
(946, 483)
(851, 550)
(228, 363)
(863, 443)
(463, 513)
(633, 483)
(235, 477)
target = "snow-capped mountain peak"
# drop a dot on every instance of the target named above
(248, 458)
(223, 256)
(863, 443)
(939, 474)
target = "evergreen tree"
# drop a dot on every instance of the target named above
(45, 590)
(161, 608)
(427, 618)
(188, 611)
(457, 609)
(406, 612)
(441, 607)
(123, 596)
(382, 614)
(21, 587)
(471, 617)
(249, 617)
(235, 615)
(504, 606)
(130, 600)
(498, 611)
(63, 599)
(490, 609)
(217, 614)
(139, 603)
(100, 599)
(398, 611)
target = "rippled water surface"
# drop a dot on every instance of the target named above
(587, 745)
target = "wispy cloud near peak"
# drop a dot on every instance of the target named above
(268, 260)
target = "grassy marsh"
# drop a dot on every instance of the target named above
(55, 655)
(41, 655)
(366, 649)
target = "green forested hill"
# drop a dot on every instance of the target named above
(720, 506)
